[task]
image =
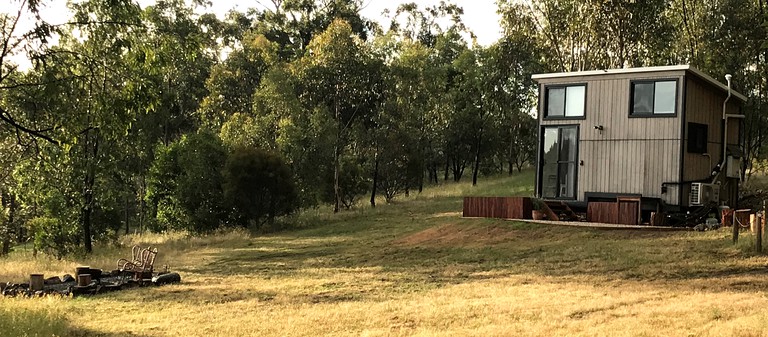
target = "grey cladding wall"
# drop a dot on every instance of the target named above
(630, 155)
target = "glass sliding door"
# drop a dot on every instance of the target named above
(559, 157)
(549, 160)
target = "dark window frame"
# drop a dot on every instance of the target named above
(576, 162)
(694, 146)
(545, 110)
(632, 83)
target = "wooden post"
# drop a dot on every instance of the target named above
(36, 282)
(83, 280)
(759, 236)
(735, 228)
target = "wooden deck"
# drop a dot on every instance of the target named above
(606, 226)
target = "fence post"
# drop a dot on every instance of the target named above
(735, 227)
(759, 237)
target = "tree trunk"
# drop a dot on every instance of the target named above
(510, 155)
(336, 154)
(421, 176)
(86, 211)
(21, 232)
(126, 214)
(142, 191)
(447, 164)
(375, 177)
(336, 190)
(271, 214)
(458, 169)
(11, 204)
(477, 157)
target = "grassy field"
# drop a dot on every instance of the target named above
(415, 268)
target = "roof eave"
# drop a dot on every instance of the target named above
(689, 68)
(716, 83)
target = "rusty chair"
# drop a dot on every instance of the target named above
(141, 263)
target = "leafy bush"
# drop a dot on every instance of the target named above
(258, 186)
(352, 182)
(184, 184)
(53, 237)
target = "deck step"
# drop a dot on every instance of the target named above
(558, 211)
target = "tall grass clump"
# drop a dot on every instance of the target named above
(23, 322)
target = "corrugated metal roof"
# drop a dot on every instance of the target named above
(688, 68)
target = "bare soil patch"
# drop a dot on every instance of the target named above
(462, 236)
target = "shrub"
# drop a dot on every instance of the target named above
(258, 186)
(184, 184)
(53, 237)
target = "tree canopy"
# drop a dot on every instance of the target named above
(166, 117)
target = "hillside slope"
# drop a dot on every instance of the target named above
(416, 267)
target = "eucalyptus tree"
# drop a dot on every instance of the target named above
(595, 34)
(281, 124)
(451, 104)
(233, 82)
(167, 63)
(15, 42)
(10, 205)
(340, 78)
(293, 24)
(424, 25)
(468, 122)
(508, 67)
(402, 138)
(93, 110)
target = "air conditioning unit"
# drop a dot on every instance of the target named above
(733, 167)
(702, 194)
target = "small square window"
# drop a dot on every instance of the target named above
(697, 137)
(654, 98)
(565, 101)
(556, 102)
(643, 98)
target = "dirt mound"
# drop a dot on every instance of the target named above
(460, 235)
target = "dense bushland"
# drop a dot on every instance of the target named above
(165, 117)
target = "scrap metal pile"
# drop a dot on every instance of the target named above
(135, 272)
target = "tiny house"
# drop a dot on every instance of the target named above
(669, 137)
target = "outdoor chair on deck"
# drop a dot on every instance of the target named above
(142, 262)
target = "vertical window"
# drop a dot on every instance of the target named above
(565, 101)
(559, 160)
(654, 98)
(697, 137)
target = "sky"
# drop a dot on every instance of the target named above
(479, 15)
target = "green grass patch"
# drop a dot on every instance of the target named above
(415, 267)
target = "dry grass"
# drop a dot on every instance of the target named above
(416, 269)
